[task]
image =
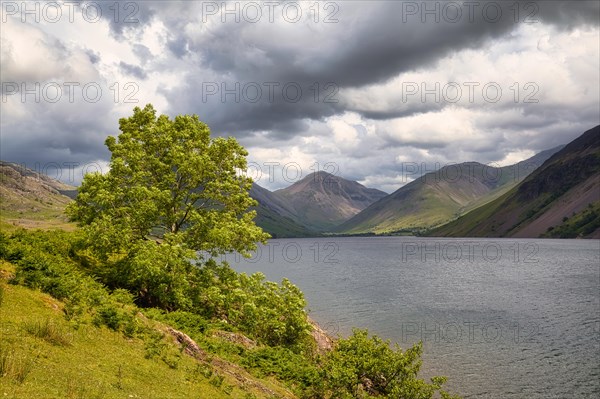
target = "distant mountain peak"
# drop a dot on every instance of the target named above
(322, 200)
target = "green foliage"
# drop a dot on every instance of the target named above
(168, 179)
(269, 312)
(580, 224)
(364, 366)
(285, 365)
(193, 324)
(160, 275)
(4, 243)
(44, 261)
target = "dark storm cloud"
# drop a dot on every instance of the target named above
(126, 16)
(60, 133)
(372, 43)
(567, 14)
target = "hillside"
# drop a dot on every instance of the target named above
(440, 196)
(566, 186)
(31, 199)
(321, 200)
(274, 216)
(44, 355)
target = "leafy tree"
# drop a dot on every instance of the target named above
(171, 194)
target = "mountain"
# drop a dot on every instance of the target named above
(321, 200)
(275, 216)
(31, 199)
(561, 198)
(438, 197)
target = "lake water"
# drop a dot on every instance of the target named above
(502, 318)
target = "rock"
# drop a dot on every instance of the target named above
(191, 347)
(324, 342)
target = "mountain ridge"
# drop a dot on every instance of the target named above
(437, 197)
(565, 186)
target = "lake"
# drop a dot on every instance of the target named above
(502, 318)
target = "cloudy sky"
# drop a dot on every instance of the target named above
(366, 90)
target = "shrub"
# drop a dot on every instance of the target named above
(366, 366)
(283, 364)
(271, 313)
(191, 323)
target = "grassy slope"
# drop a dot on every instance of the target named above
(423, 204)
(100, 363)
(279, 226)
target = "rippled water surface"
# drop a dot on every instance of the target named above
(502, 318)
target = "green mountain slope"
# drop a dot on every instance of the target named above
(275, 217)
(321, 200)
(440, 196)
(563, 187)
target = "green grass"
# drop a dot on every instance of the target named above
(50, 331)
(44, 356)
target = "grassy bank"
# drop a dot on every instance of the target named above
(43, 355)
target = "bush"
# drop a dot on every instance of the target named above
(191, 323)
(283, 364)
(271, 313)
(364, 367)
